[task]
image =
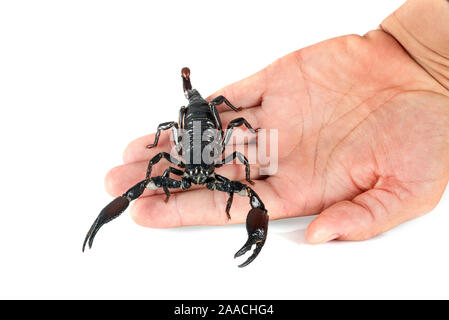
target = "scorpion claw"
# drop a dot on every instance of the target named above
(110, 212)
(252, 257)
(257, 227)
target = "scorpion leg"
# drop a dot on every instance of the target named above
(256, 221)
(231, 194)
(114, 209)
(167, 175)
(229, 204)
(242, 159)
(220, 99)
(235, 123)
(158, 157)
(176, 136)
(182, 114)
(166, 126)
(217, 120)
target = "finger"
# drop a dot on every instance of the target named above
(137, 149)
(202, 207)
(121, 178)
(370, 213)
(245, 93)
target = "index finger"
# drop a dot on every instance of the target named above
(245, 93)
(137, 151)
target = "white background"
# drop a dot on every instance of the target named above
(80, 79)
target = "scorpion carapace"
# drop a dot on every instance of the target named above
(199, 117)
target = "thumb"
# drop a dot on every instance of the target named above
(370, 213)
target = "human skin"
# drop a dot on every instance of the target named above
(363, 134)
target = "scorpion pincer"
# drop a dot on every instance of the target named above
(199, 116)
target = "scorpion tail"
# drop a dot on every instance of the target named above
(113, 210)
(185, 74)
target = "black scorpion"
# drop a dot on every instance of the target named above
(199, 117)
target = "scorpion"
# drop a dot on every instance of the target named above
(200, 117)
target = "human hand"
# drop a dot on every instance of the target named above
(363, 142)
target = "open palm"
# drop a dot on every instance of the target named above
(363, 141)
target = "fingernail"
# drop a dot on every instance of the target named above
(331, 237)
(323, 236)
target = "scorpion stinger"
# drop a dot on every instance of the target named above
(198, 117)
(185, 74)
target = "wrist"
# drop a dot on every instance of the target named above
(422, 28)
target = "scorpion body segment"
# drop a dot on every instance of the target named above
(198, 129)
